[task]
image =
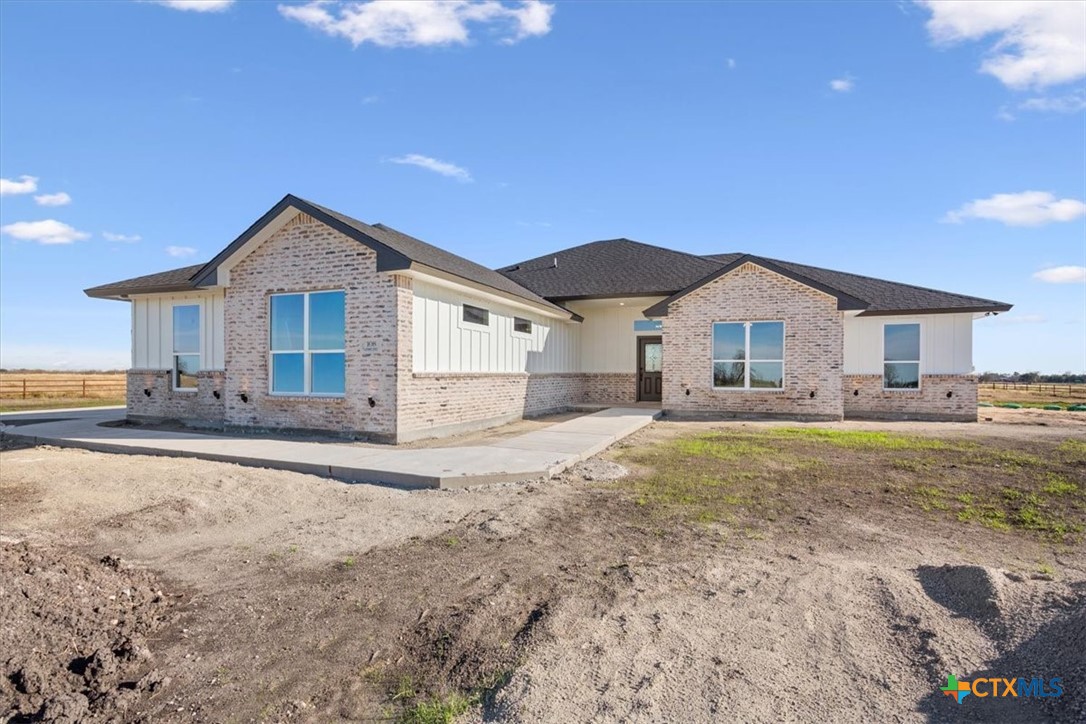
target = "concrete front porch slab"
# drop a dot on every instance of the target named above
(541, 453)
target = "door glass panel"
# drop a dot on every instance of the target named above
(654, 356)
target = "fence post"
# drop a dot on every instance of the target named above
(84, 387)
(24, 388)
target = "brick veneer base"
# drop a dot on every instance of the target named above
(199, 408)
(813, 348)
(608, 388)
(865, 398)
(438, 404)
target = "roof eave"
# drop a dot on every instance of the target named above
(845, 302)
(995, 308)
(122, 293)
(388, 259)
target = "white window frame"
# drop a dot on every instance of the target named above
(918, 362)
(474, 325)
(524, 335)
(747, 361)
(173, 344)
(306, 352)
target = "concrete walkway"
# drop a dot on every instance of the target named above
(541, 453)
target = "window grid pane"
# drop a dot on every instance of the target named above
(901, 343)
(185, 367)
(901, 375)
(327, 373)
(186, 329)
(476, 315)
(288, 372)
(307, 343)
(288, 322)
(748, 355)
(326, 320)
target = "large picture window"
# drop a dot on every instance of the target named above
(901, 356)
(186, 346)
(748, 355)
(307, 343)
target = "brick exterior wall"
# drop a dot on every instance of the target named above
(198, 408)
(386, 400)
(813, 348)
(609, 388)
(308, 256)
(441, 403)
(865, 398)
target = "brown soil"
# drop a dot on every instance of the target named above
(75, 634)
(293, 598)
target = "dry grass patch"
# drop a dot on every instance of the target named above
(752, 478)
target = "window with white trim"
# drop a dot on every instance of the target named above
(522, 325)
(748, 355)
(186, 346)
(307, 346)
(475, 315)
(901, 356)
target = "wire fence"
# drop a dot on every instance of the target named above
(68, 387)
(1042, 388)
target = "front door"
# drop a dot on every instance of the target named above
(650, 366)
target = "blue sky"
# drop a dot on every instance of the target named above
(939, 145)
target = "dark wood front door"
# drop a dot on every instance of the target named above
(650, 369)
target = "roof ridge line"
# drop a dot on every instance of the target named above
(884, 281)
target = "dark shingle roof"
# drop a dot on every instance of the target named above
(429, 255)
(174, 280)
(882, 295)
(621, 267)
(610, 268)
(395, 251)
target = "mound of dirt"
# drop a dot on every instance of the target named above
(74, 634)
(598, 469)
(975, 592)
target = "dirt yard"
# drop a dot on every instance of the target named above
(694, 572)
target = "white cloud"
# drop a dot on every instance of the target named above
(731, 63)
(1037, 42)
(1070, 103)
(57, 199)
(370, 100)
(25, 185)
(1029, 208)
(198, 6)
(1062, 275)
(48, 231)
(180, 252)
(122, 238)
(413, 23)
(842, 85)
(432, 164)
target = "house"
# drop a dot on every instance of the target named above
(312, 320)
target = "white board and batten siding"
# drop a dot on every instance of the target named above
(608, 339)
(946, 343)
(442, 342)
(152, 329)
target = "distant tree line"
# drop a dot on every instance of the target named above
(1033, 378)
